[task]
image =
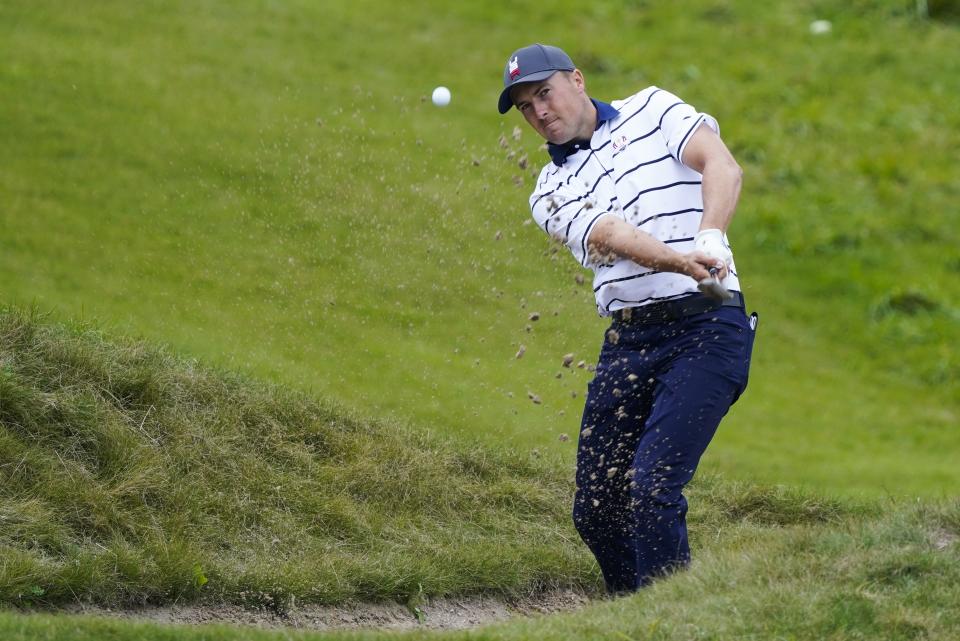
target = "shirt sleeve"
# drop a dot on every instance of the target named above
(566, 215)
(677, 121)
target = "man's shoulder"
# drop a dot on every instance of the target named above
(634, 102)
(548, 180)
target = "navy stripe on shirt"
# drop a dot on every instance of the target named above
(646, 135)
(635, 276)
(667, 110)
(554, 215)
(661, 187)
(549, 176)
(542, 196)
(586, 235)
(579, 198)
(669, 213)
(625, 120)
(583, 164)
(572, 201)
(651, 299)
(687, 135)
(551, 192)
(633, 169)
(623, 278)
(602, 211)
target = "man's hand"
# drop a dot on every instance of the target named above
(710, 242)
(697, 266)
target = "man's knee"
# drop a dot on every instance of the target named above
(657, 490)
(595, 513)
(585, 513)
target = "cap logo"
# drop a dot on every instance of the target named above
(514, 68)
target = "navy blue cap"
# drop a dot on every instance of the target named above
(531, 64)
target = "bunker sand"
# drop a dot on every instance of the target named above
(452, 613)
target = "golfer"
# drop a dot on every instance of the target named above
(641, 190)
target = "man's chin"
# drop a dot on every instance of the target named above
(555, 137)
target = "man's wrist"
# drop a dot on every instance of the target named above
(671, 261)
(710, 242)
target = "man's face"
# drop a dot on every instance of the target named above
(556, 107)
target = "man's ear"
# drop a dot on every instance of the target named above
(577, 78)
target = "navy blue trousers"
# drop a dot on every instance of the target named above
(659, 394)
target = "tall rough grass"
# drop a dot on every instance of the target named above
(128, 475)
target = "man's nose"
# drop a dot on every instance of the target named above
(540, 107)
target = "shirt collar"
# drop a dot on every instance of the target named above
(559, 153)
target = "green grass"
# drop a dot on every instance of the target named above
(775, 565)
(129, 476)
(262, 185)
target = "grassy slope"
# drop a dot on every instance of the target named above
(128, 476)
(775, 565)
(261, 184)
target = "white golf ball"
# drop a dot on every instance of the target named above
(441, 96)
(820, 27)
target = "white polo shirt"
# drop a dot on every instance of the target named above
(632, 170)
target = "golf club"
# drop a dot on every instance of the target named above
(712, 287)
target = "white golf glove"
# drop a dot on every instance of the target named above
(710, 242)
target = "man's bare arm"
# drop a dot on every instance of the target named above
(616, 236)
(706, 153)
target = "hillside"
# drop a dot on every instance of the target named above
(266, 186)
(261, 304)
(129, 476)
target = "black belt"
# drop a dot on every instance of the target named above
(670, 310)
